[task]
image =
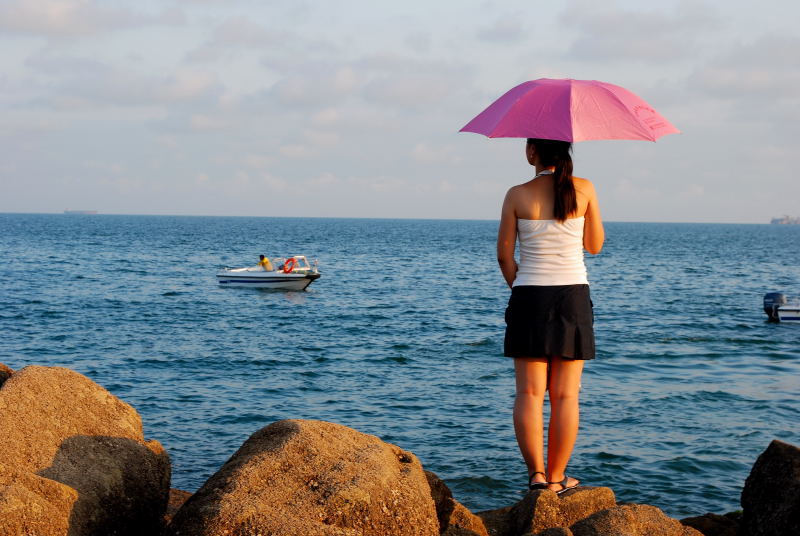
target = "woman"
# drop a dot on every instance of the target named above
(549, 315)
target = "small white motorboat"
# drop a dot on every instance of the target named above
(780, 309)
(293, 273)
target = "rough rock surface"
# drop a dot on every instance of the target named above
(497, 522)
(83, 456)
(176, 499)
(715, 524)
(30, 504)
(771, 494)
(631, 520)
(555, 531)
(543, 509)
(5, 373)
(455, 519)
(312, 478)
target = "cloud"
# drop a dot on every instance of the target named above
(73, 18)
(325, 179)
(504, 30)
(428, 154)
(768, 68)
(296, 151)
(419, 41)
(236, 33)
(612, 34)
(316, 85)
(78, 83)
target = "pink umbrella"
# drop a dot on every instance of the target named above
(570, 110)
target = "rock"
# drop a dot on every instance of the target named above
(72, 438)
(462, 522)
(176, 499)
(771, 494)
(631, 520)
(543, 509)
(554, 531)
(715, 524)
(313, 478)
(30, 504)
(442, 497)
(5, 373)
(497, 522)
(455, 519)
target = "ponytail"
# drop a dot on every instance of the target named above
(557, 153)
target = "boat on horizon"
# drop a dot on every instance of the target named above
(785, 220)
(292, 273)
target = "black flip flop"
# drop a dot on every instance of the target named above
(564, 486)
(536, 485)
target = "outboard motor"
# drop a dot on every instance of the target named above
(773, 300)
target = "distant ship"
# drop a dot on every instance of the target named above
(80, 212)
(785, 220)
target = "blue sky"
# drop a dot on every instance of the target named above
(352, 108)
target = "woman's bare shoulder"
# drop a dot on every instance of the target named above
(583, 185)
(515, 191)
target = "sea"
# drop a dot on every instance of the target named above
(402, 338)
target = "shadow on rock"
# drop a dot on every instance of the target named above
(122, 485)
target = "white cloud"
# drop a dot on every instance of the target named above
(236, 33)
(296, 151)
(507, 29)
(72, 18)
(768, 68)
(606, 32)
(326, 179)
(205, 122)
(327, 116)
(428, 154)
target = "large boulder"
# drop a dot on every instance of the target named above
(771, 494)
(72, 447)
(631, 520)
(543, 509)
(313, 478)
(455, 519)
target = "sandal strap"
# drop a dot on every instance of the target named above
(563, 483)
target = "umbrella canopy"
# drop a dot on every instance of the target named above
(570, 110)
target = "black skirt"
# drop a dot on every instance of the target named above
(548, 321)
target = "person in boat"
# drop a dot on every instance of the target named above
(264, 263)
(549, 318)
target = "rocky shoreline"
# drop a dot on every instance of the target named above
(74, 462)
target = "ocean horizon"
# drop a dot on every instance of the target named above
(98, 213)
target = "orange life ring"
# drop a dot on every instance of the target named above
(288, 266)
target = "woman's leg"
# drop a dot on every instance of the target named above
(531, 378)
(565, 382)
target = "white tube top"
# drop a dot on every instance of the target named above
(550, 252)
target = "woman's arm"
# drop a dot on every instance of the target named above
(593, 234)
(507, 239)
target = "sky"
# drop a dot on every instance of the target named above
(352, 108)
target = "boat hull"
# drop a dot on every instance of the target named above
(789, 313)
(272, 280)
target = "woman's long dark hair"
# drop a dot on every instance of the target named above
(557, 153)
